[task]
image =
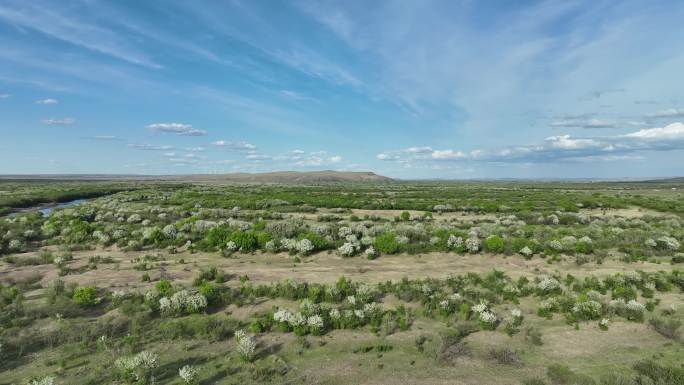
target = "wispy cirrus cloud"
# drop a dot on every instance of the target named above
(59, 121)
(66, 25)
(583, 123)
(149, 147)
(235, 146)
(105, 138)
(668, 113)
(176, 128)
(48, 101)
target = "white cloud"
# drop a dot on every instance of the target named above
(448, 154)
(669, 113)
(259, 157)
(565, 142)
(176, 128)
(674, 131)
(4, 96)
(588, 123)
(335, 159)
(105, 137)
(59, 122)
(149, 147)
(236, 146)
(47, 101)
(195, 149)
(559, 148)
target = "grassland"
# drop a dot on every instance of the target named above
(342, 283)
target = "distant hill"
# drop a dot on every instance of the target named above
(288, 177)
(675, 180)
(267, 177)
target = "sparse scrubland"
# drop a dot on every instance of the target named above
(342, 283)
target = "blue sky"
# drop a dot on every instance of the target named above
(408, 89)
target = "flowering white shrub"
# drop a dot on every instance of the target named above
(568, 241)
(548, 284)
(43, 381)
(669, 243)
(454, 242)
(634, 310)
(487, 317)
(135, 218)
(137, 367)
(15, 245)
(402, 239)
(587, 310)
(282, 315)
(231, 246)
(370, 252)
(480, 308)
(526, 251)
(182, 302)
(553, 219)
(586, 239)
(516, 313)
(101, 237)
(442, 208)
(555, 245)
(188, 374)
(472, 245)
(344, 231)
(603, 323)
(304, 246)
(196, 303)
(245, 345)
(315, 323)
(347, 249)
(170, 231)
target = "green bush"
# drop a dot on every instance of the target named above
(86, 296)
(164, 288)
(386, 243)
(245, 241)
(494, 244)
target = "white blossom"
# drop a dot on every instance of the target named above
(526, 251)
(231, 246)
(188, 374)
(47, 380)
(472, 245)
(304, 246)
(454, 242)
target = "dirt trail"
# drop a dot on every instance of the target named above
(323, 267)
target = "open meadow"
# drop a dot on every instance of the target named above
(170, 282)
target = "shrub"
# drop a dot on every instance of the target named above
(494, 244)
(668, 328)
(164, 288)
(386, 243)
(245, 241)
(661, 375)
(504, 356)
(86, 296)
(245, 345)
(188, 374)
(560, 374)
(138, 369)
